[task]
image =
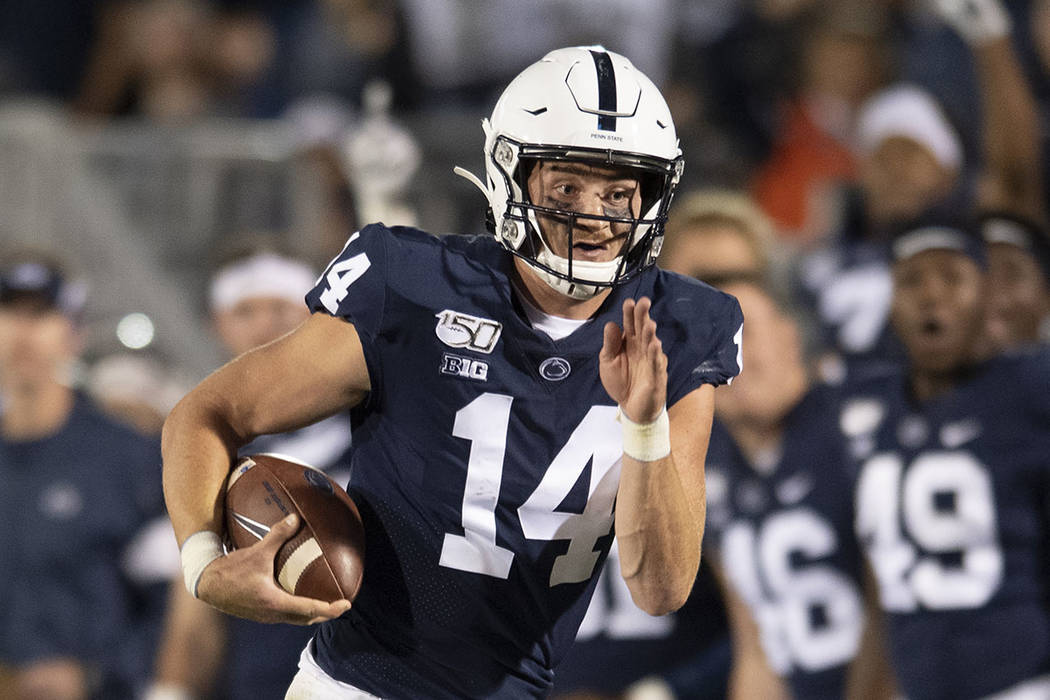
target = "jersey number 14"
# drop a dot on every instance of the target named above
(485, 422)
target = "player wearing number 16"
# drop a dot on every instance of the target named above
(506, 391)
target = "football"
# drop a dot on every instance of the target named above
(324, 559)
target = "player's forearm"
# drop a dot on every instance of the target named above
(1012, 176)
(198, 446)
(658, 531)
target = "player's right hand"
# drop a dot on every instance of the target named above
(242, 584)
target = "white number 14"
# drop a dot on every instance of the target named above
(597, 439)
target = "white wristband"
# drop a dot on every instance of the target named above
(646, 442)
(199, 550)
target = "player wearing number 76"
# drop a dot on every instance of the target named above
(506, 393)
(952, 494)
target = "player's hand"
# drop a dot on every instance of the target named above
(242, 584)
(977, 21)
(632, 363)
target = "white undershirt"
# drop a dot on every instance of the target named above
(556, 327)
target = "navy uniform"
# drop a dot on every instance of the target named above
(619, 644)
(952, 512)
(70, 506)
(485, 462)
(782, 530)
(261, 658)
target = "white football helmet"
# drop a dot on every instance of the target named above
(582, 104)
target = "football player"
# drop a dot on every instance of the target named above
(507, 392)
(255, 296)
(77, 487)
(951, 498)
(780, 523)
(1018, 280)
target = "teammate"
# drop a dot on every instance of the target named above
(780, 521)
(76, 488)
(1018, 280)
(256, 296)
(952, 493)
(500, 409)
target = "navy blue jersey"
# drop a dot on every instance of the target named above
(69, 506)
(783, 532)
(486, 461)
(952, 512)
(261, 659)
(618, 643)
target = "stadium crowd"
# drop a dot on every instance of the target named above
(869, 178)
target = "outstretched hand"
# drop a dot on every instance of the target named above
(632, 363)
(242, 584)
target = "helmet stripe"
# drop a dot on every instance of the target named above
(606, 90)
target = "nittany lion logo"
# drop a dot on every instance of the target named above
(459, 330)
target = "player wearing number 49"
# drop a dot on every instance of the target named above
(953, 489)
(500, 409)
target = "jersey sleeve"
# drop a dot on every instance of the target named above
(705, 348)
(353, 286)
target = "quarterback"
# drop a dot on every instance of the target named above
(506, 393)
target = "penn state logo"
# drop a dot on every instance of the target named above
(554, 369)
(459, 330)
(317, 480)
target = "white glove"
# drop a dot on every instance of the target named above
(977, 21)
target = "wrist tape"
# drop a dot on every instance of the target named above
(199, 550)
(646, 442)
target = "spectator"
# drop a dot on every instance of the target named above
(77, 487)
(913, 162)
(844, 60)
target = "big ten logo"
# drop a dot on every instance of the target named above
(464, 367)
(460, 330)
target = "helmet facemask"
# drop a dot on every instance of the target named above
(520, 230)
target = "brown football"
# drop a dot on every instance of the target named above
(325, 557)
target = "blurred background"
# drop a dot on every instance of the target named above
(145, 140)
(136, 135)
